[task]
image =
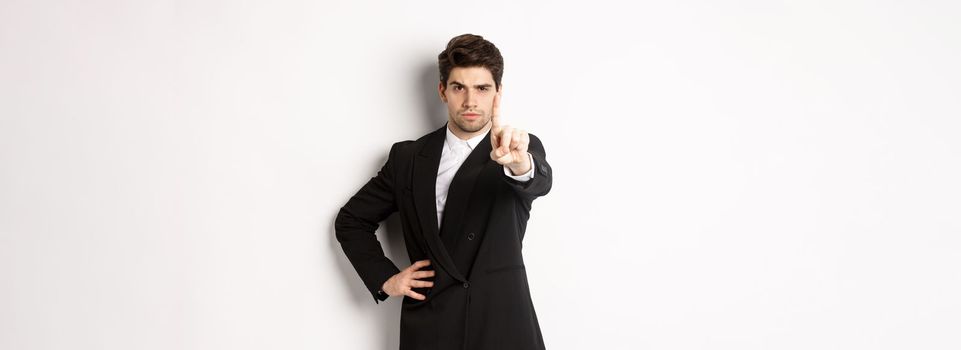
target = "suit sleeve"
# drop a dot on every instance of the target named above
(539, 184)
(358, 220)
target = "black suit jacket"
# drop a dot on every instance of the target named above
(480, 298)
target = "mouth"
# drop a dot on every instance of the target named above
(471, 116)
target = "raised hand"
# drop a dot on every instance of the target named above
(403, 282)
(508, 145)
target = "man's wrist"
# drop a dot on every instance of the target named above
(520, 169)
(382, 292)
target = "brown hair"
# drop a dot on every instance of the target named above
(469, 50)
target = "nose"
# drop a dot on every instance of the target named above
(470, 100)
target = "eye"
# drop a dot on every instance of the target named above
(484, 88)
(458, 88)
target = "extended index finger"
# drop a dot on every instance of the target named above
(496, 110)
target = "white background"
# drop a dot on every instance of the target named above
(728, 175)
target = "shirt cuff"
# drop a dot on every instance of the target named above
(522, 177)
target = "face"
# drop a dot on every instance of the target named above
(469, 95)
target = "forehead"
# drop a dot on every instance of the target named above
(470, 75)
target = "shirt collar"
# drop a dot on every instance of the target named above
(471, 142)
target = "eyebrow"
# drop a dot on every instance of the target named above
(475, 86)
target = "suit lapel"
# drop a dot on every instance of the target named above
(460, 191)
(425, 196)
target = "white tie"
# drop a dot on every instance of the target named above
(462, 150)
(448, 167)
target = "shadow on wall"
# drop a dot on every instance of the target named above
(391, 236)
(432, 108)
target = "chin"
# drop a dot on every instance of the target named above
(471, 126)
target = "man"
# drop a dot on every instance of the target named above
(464, 193)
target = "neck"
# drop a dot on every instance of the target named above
(463, 135)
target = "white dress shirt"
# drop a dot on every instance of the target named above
(454, 153)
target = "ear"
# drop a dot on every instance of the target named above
(440, 91)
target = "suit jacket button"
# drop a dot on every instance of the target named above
(470, 235)
(466, 284)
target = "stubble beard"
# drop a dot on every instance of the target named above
(469, 127)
